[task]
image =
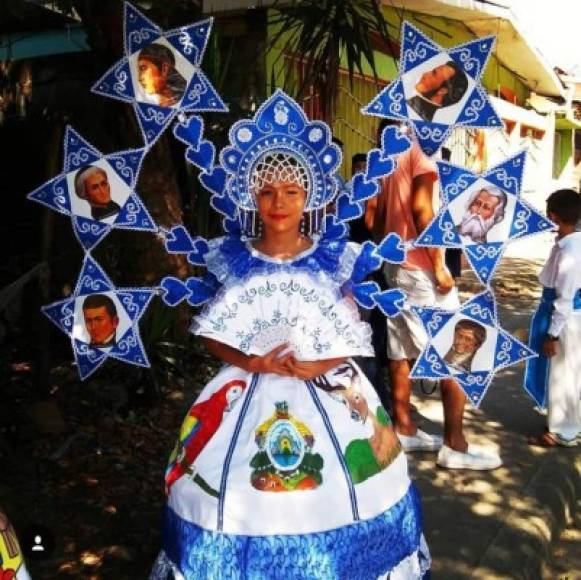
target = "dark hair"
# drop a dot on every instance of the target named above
(338, 142)
(456, 85)
(358, 158)
(158, 54)
(80, 176)
(382, 125)
(100, 301)
(566, 205)
(478, 330)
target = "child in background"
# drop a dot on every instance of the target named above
(554, 379)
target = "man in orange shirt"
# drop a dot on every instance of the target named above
(405, 206)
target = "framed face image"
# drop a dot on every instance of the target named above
(160, 74)
(100, 320)
(482, 213)
(97, 192)
(466, 346)
(437, 90)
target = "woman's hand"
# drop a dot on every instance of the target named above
(271, 362)
(308, 370)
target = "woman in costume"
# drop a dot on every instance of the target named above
(286, 466)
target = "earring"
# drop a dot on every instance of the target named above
(302, 226)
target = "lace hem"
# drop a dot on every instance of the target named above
(364, 550)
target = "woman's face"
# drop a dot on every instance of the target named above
(152, 78)
(281, 205)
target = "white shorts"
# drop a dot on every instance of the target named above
(406, 336)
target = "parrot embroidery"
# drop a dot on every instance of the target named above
(199, 426)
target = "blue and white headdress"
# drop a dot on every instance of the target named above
(280, 140)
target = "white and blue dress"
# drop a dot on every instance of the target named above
(275, 477)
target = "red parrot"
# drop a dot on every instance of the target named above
(199, 426)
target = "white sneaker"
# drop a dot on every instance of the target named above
(421, 441)
(477, 458)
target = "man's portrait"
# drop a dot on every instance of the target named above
(101, 320)
(486, 208)
(440, 87)
(469, 336)
(161, 82)
(92, 185)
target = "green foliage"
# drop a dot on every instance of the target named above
(319, 32)
(260, 462)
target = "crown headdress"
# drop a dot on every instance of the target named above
(280, 141)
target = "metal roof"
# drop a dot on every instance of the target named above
(513, 48)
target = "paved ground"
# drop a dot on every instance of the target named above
(500, 524)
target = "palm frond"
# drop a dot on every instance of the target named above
(318, 33)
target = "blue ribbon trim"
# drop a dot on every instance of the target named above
(363, 550)
(537, 369)
(326, 258)
(340, 457)
(233, 441)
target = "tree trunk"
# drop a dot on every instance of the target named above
(143, 260)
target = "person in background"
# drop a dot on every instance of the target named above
(405, 206)
(452, 256)
(556, 328)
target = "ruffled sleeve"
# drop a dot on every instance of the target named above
(347, 262)
(228, 256)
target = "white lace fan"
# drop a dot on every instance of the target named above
(267, 310)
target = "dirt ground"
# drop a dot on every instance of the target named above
(89, 467)
(89, 464)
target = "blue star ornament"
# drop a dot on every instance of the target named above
(467, 345)
(482, 214)
(97, 191)
(160, 74)
(101, 320)
(437, 89)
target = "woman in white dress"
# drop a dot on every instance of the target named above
(286, 465)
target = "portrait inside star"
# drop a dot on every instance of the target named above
(160, 74)
(437, 90)
(100, 320)
(482, 213)
(97, 192)
(466, 345)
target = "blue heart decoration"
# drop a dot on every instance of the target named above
(231, 226)
(334, 230)
(392, 249)
(363, 189)
(394, 142)
(377, 166)
(390, 302)
(199, 291)
(203, 157)
(179, 241)
(173, 290)
(215, 181)
(368, 261)
(201, 248)
(346, 210)
(190, 131)
(224, 205)
(364, 294)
